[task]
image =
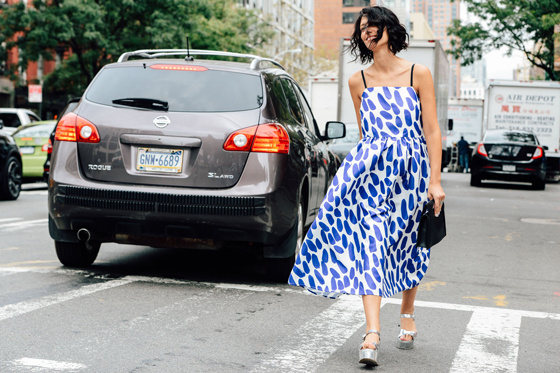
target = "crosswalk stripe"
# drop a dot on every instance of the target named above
(317, 339)
(17, 309)
(9, 219)
(10, 227)
(51, 365)
(490, 343)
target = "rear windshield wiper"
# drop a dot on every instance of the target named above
(146, 103)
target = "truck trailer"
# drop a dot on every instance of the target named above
(528, 106)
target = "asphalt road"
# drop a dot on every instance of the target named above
(490, 301)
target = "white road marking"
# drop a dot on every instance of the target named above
(464, 307)
(17, 309)
(317, 339)
(11, 227)
(490, 343)
(47, 364)
(36, 192)
(9, 219)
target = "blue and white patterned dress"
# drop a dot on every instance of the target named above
(363, 240)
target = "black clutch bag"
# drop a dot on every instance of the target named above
(431, 229)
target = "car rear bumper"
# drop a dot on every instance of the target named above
(262, 213)
(524, 171)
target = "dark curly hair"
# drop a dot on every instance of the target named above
(382, 18)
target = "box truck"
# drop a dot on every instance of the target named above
(429, 53)
(323, 96)
(467, 115)
(528, 106)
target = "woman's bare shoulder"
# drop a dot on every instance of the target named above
(356, 83)
(421, 71)
(355, 78)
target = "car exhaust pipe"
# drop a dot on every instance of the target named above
(83, 234)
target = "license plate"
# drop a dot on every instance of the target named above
(159, 160)
(27, 150)
(508, 167)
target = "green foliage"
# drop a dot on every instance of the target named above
(524, 25)
(97, 32)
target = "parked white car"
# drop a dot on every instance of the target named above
(13, 118)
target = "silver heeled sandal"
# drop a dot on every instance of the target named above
(368, 356)
(406, 345)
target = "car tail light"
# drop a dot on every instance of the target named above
(241, 140)
(74, 128)
(481, 150)
(47, 147)
(264, 138)
(538, 153)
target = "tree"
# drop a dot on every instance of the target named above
(523, 25)
(97, 32)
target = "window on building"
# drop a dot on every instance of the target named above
(349, 17)
(356, 3)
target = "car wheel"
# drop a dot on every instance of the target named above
(278, 269)
(539, 184)
(11, 186)
(77, 254)
(475, 181)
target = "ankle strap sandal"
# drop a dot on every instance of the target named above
(369, 356)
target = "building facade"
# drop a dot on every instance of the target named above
(334, 19)
(419, 27)
(440, 14)
(293, 22)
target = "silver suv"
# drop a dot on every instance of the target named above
(168, 150)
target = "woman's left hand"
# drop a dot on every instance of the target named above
(435, 192)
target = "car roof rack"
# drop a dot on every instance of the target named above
(155, 53)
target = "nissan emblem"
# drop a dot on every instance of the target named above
(162, 121)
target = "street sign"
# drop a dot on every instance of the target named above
(35, 93)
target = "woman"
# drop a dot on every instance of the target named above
(363, 240)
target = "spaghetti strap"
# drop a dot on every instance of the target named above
(364, 79)
(411, 75)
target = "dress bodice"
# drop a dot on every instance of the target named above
(391, 112)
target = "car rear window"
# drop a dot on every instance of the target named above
(10, 119)
(39, 130)
(184, 91)
(521, 137)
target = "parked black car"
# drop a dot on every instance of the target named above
(10, 166)
(510, 156)
(70, 106)
(165, 151)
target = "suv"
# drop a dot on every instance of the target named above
(175, 152)
(13, 118)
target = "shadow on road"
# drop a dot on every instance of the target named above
(230, 266)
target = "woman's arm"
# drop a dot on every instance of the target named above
(424, 85)
(356, 85)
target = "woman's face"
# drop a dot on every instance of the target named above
(369, 34)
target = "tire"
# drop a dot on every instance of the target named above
(278, 269)
(10, 187)
(475, 181)
(539, 184)
(77, 254)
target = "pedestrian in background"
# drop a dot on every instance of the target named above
(464, 153)
(363, 241)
